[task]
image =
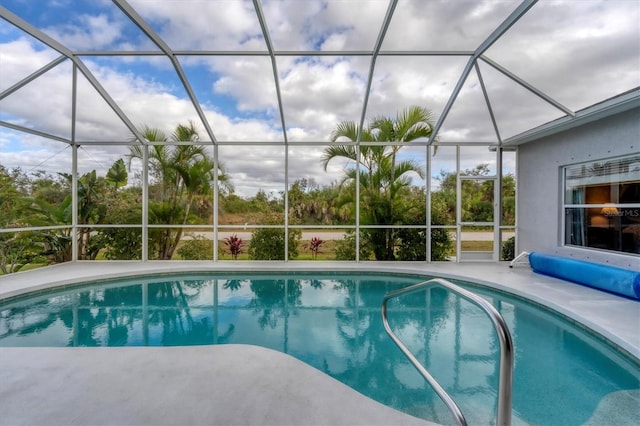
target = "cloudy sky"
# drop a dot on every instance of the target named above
(578, 52)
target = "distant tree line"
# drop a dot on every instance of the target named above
(180, 193)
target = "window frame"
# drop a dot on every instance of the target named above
(601, 217)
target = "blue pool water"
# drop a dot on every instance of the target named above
(563, 375)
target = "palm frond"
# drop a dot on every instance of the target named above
(408, 166)
(344, 151)
(345, 129)
(413, 123)
(185, 133)
(153, 134)
(384, 129)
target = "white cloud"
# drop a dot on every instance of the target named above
(249, 80)
(20, 58)
(317, 95)
(87, 32)
(455, 25)
(247, 130)
(576, 52)
(204, 25)
(324, 25)
(33, 153)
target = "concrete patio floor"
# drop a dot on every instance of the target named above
(195, 385)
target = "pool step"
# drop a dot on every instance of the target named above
(617, 408)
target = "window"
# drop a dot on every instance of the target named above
(602, 204)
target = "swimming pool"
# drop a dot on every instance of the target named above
(332, 321)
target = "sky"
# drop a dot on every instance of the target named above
(578, 52)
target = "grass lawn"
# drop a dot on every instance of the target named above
(477, 245)
(326, 251)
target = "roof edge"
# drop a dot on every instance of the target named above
(612, 106)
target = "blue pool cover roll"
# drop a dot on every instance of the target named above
(609, 278)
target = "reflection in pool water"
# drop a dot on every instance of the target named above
(333, 322)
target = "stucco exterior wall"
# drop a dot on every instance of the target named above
(540, 183)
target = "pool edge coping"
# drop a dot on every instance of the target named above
(546, 291)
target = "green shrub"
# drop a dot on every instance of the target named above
(412, 244)
(120, 243)
(345, 249)
(440, 244)
(509, 249)
(268, 244)
(199, 248)
(18, 250)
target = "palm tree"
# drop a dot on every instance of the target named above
(383, 176)
(182, 174)
(117, 175)
(91, 210)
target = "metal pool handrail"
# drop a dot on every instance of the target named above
(506, 349)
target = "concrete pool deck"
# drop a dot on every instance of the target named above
(153, 385)
(242, 385)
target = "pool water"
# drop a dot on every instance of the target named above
(563, 375)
